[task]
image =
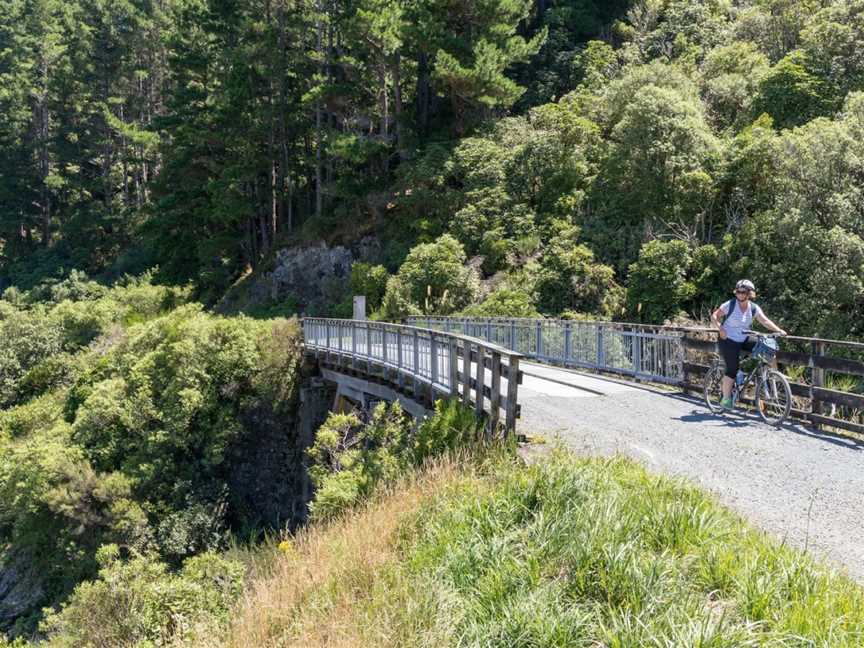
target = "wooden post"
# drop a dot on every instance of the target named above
(453, 346)
(495, 400)
(433, 351)
(400, 376)
(817, 351)
(466, 373)
(512, 394)
(416, 368)
(481, 380)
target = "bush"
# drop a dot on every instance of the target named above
(452, 427)
(370, 281)
(350, 460)
(433, 279)
(138, 602)
(657, 285)
(569, 278)
(505, 302)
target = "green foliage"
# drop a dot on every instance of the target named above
(433, 279)
(569, 278)
(139, 602)
(133, 439)
(451, 428)
(570, 551)
(350, 459)
(791, 94)
(505, 302)
(371, 281)
(657, 286)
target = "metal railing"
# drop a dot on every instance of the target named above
(644, 352)
(432, 364)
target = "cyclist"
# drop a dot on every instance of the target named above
(737, 316)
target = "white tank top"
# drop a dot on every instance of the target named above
(738, 322)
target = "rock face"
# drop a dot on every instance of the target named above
(269, 483)
(20, 588)
(315, 276)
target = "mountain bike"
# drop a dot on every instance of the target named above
(766, 387)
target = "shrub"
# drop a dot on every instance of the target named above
(505, 302)
(138, 602)
(433, 279)
(370, 281)
(452, 427)
(657, 285)
(569, 278)
(349, 459)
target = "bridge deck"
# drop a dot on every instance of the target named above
(800, 486)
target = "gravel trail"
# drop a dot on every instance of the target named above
(804, 488)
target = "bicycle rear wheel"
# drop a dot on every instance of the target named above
(773, 397)
(713, 389)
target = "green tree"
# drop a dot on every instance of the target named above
(659, 177)
(435, 277)
(657, 285)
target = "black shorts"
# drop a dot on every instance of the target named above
(730, 351)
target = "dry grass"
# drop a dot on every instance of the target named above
(322, 587)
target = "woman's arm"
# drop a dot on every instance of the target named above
(767, 323)
(715, 320)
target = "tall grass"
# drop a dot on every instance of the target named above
(567, 552)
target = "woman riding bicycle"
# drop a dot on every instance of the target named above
(738, 315)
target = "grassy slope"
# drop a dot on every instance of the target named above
(568, 552)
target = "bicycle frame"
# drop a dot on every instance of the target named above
(760, 370)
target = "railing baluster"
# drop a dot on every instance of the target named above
(495, 400)
(466, 372)
(481, 380)
(433, 352)
(454, 367)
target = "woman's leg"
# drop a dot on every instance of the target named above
(730, 352)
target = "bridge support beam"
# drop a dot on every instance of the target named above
(356, 388)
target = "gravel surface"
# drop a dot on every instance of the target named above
(804, 488)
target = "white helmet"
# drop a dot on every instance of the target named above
(745, 283)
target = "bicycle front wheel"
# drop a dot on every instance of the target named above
(773, 397)
(713, 388)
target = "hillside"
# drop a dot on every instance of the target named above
(179, 179)
(132, 419)
(624, 159)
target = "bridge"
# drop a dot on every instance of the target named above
(608, 388)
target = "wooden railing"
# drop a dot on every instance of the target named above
(428, 364)
(816, 368)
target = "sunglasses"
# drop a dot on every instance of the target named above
(743, 291)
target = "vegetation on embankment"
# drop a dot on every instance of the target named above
(431, 539)
(133, 424)
(566, 552)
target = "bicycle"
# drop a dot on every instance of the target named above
(773, 397)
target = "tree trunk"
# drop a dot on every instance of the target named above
(397, 105)
(423, 94)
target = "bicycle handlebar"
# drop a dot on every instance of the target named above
(769, 335)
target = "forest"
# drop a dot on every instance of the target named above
(625, 160)
(619, 160)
